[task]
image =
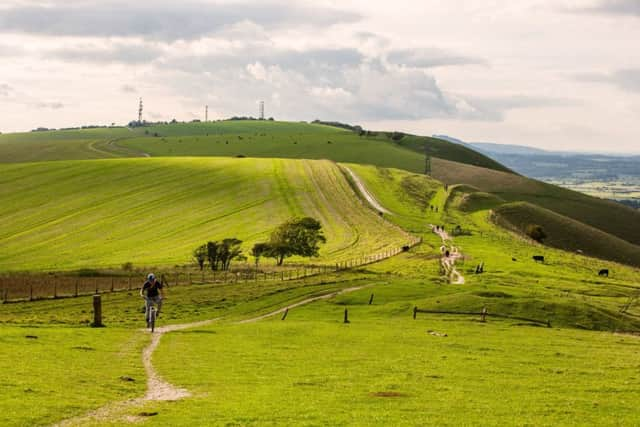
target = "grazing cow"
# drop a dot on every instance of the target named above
(604, 272)
(538, 258)
(514, 259)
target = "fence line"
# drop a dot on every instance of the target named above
(37, 287)
(483, 314)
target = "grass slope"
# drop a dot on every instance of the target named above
(154, 212)
(62, 145)
(610, 217)
(384, 368)
(233, 138)
(565, 233)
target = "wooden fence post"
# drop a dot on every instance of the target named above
(284, 316)
(97, 312)
(371, 300)
(112, 279)
(415, 312)
(346, 316)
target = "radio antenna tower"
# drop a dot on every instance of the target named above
(140, 112)
(206, 113)
(261, 112)
(427, 160)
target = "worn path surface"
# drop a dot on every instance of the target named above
(160, 390)
(367, 195)
(449, 262)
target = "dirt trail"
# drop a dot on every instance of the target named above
(159, 389)
(449, 263)
(367, 195)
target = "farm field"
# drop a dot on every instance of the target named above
(154, 212)
(381, 368)
(629, 189)
(452, 163)
(62, 145)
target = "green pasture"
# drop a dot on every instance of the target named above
(154, 212)
(297, 143)
(605, 215)
(62, 145)
(49, 373)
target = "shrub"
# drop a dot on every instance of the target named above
(536, 232)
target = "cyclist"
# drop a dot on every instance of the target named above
(154, 295)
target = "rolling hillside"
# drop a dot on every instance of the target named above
(236, 138)
(567, 234)
(610, 217)
(62, 145)
(451, 163)
(67, 215)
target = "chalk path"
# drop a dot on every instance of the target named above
(367, 195)
(160, 390)
(449, 263)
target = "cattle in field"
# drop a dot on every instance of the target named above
(538, 258)
(514, 259)
(604, 272)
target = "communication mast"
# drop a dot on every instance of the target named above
(140, 112)
(427, 160)
(206, 113)
(261, 112)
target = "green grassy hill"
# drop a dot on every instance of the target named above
(565, 233)
(451, 164)
(236, 138)
(103, 213)
(610, 217)
(62, 145)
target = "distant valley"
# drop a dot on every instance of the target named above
(614, 177)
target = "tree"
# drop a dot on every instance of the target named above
(258, 250)
(298, 236)
(536, 232)
(220, 254)
(229, 249)
(212, 255)
(200, 255)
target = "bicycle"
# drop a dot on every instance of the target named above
(153, 315)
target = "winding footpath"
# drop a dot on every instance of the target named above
(449, 262)
(160, 390)
(367, 195)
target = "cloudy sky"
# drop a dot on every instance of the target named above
(557, 74)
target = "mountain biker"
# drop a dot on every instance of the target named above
(154, 295)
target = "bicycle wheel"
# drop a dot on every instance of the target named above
(152, 318)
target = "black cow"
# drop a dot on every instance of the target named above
(405, 249)
(538, 258)
(604, 272)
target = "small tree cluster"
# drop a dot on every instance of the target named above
(218, 254)
(536, 232)
(299, 236)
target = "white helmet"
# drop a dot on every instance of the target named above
(151, 277)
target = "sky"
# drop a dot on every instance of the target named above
(553, 74)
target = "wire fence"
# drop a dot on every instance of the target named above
(17, 288)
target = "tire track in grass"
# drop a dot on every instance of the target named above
(158, 389)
